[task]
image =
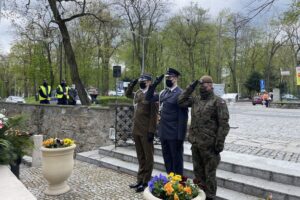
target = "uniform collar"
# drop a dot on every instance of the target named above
(144, 91)
(172, 89)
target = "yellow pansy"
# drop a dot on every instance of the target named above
(176, 178)
(176, 196)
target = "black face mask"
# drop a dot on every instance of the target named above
(45, 84)
(169, 83)
(142, 85)
(63, 84)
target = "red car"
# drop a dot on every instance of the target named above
(257, 100)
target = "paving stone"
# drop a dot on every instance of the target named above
(87, 182)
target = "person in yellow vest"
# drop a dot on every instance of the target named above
(45, 93)
(62, 93)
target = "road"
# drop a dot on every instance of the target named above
(268, 132)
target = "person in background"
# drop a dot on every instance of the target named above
(62, 93)
(45, 93)
(266, 98)
(72, 95)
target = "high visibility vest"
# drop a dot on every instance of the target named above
(43, 88)
(60, 96)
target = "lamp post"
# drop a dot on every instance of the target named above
(143, 52)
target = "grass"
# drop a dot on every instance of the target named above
(31, 100)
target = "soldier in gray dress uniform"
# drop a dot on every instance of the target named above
(172, 127)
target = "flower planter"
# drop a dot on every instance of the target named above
(148, 195)
(15, 167)
(57, 166)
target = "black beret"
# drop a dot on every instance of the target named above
(172, 72)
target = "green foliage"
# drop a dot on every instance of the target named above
(253, 82)
(6, 152)
(106, 100)
(31, 99)
(15, 142)
(191, 41)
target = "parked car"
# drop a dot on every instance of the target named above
(289, 97)
(114, 93)
(257, 100)
(15, 99)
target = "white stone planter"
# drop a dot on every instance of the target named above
(148, 196)
(57, 166)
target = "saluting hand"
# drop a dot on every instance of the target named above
(194, 84)
(158, 80)
(134, 82)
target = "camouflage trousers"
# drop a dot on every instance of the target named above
(205, 162)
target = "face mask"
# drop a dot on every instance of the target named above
(63, 84)
(169, 83)
(142, 85)
(45, 83)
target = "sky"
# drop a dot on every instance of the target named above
(7, 35)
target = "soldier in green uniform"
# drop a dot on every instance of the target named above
(144, 127)
(208, 130)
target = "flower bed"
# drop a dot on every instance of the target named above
(173, 187)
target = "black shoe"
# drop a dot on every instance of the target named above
(141, 188)
(135, 185)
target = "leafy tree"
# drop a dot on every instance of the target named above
(253, 82)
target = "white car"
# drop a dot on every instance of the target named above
(113, 93)
(289, 97)
(15, 99)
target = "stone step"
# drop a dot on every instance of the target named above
(265, 168)
(224, 180)
(93, 157)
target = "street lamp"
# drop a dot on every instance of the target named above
(143, 52)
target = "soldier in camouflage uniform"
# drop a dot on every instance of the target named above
(208, 130)
(144, 127)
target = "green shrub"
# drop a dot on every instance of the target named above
(31, 100)
(106, 100)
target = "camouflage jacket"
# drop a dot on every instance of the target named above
(210, 116)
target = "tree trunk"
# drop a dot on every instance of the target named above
(106, 75)
(234, 81)
(70, 54)
(47, 46)
(191, 62)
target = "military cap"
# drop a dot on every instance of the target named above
(145, 77)
(172, 72)
(205, 79)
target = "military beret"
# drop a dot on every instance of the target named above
(172, 72)
(145, 77)
(206, 79)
